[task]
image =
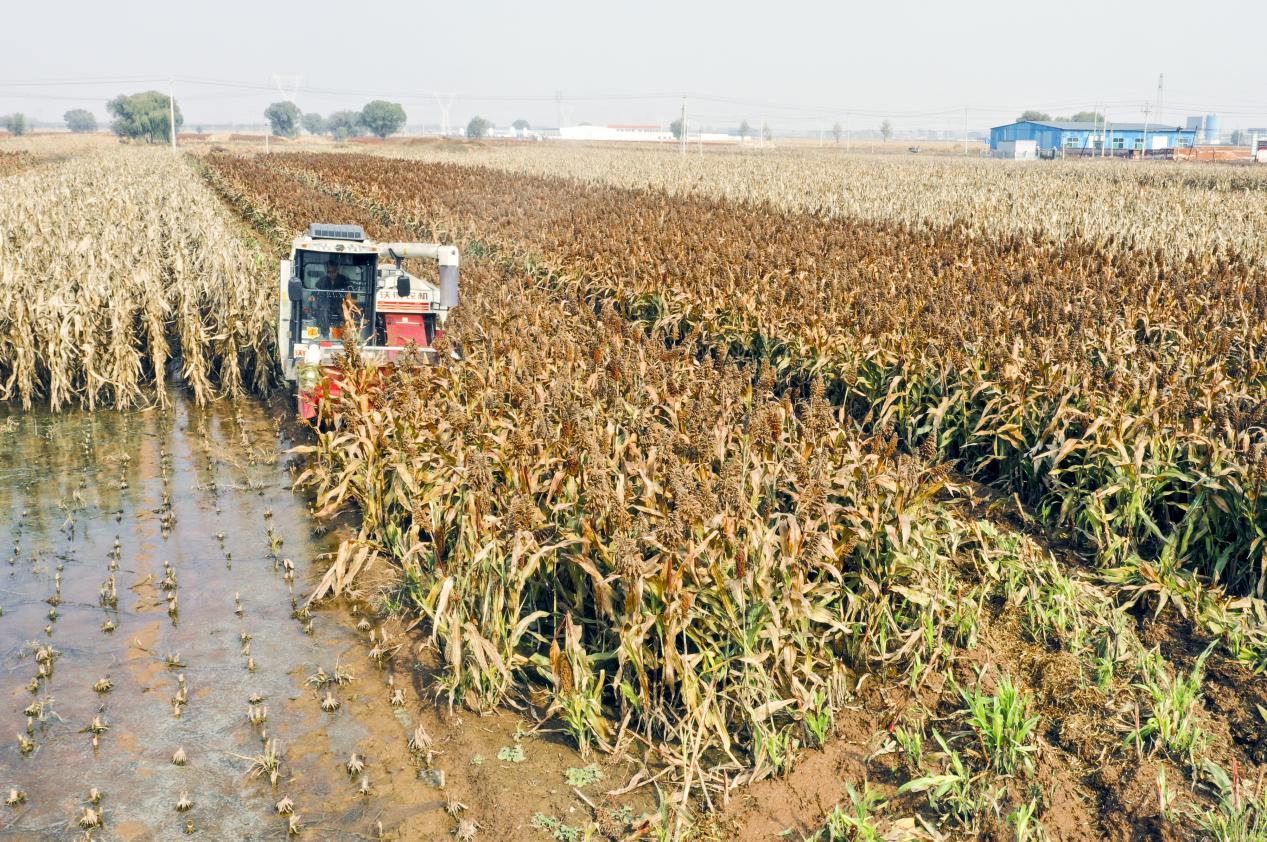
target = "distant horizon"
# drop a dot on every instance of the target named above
(431, 129)
(903, 123)
(425, 129)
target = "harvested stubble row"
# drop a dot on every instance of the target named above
(632, 523)
(116, 263)
(1118, 393)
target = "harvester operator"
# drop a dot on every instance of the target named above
(334, 279)
(330, 307)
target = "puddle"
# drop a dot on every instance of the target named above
(104, 518)
(198, 496)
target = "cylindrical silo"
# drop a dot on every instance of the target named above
(1213, 129)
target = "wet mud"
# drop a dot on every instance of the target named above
(155, 650)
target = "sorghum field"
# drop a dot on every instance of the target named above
(1166, 206)
(751, 496)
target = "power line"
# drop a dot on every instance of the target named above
(119, 80)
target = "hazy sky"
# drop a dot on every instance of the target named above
(794, 64)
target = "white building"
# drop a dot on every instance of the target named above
(631, 133)
(1021, 150)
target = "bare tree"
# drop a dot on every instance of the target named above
(886, 130)
(836, 131)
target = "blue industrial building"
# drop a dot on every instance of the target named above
(1090, 138)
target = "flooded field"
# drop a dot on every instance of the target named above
(156, 654)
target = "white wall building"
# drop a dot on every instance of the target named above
(1020, 150)
(634, 133)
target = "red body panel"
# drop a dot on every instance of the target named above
(403, 328)
(309, 400)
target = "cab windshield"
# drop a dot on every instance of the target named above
(335, 285)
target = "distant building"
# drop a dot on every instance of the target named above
(1208, 127)
(1020, 150)
(1088, 138)
(1258, 144)
(643, 133)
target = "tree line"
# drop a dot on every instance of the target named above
(1043, 117)
(379, 118)
(144, 116)
(15, 124)
(147, 117)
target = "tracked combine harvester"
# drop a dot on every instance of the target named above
(334, 281)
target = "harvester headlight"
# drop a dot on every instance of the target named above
(310, 368)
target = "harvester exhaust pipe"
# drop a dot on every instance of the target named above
(448, 286)
(446, 256)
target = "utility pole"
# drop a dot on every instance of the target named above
(682, 128)
(965, 130)
(1161, 82)
(558, 104)
(1095, 127)
(1144, 151)
(171, 109)
(848, 134)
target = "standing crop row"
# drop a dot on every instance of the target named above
(12, 162)
(1118, 393)
(1176, 208)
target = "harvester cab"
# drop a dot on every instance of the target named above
(337, 280)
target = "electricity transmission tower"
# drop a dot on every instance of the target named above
(445, 101)
(288, 86)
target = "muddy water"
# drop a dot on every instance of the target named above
(198, 496)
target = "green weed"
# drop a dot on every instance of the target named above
(1003, 725)
(1170, 723)
(584, 775)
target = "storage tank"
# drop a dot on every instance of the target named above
(1207, 126)
(1213, 129)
